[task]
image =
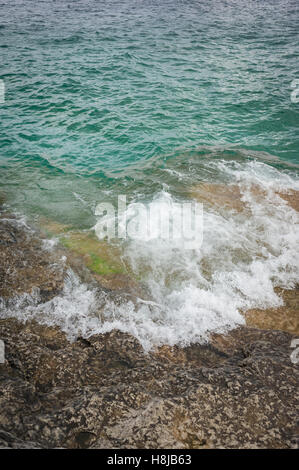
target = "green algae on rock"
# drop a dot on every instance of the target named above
(99, 256)
(102, 259)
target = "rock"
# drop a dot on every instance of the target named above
(225, 197)
(292, 198)
(106, 392)
(103, 260)
(283, 318)
(238, 391)
(24, 264)
(220, 196)
(7, 440)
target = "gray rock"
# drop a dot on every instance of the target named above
(106, 392)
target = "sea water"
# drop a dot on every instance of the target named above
(157, 101)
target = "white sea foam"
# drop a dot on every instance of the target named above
(243, 257)
(73, 310)
(49, 243)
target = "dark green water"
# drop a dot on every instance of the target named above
(148, 99)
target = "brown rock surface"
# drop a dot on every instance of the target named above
(284, 318)
(224, 197)
(292, 199)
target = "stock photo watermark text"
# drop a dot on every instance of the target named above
(180, 223)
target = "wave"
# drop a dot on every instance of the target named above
(250, 247)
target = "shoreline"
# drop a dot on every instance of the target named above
(105, 391)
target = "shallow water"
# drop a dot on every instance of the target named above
(153, 100)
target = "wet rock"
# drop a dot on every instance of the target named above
(103, 260)
(220, 196)
(225, 197)
(283, 318)
(24, 264)
(292, 198)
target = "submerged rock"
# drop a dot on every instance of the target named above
(220, 196)
(225, 197)
(103, 259)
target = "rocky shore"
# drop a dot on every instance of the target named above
(238, 391)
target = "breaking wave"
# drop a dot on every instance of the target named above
(247, 251)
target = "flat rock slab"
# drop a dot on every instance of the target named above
(105, 392)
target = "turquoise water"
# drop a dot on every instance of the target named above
(93, 86)
(149, 99)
